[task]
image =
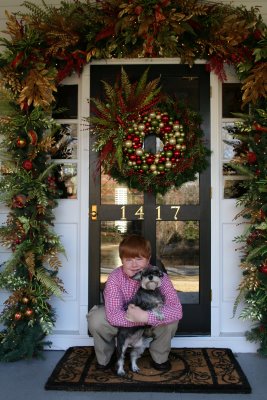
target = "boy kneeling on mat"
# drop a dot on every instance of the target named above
(104, 321)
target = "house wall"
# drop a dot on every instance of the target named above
(72, 225)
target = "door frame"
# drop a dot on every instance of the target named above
(204, 278)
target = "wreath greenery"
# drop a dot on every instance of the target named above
(129, 114)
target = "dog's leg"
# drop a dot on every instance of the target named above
(121, 357)
(139, 347)
(122, 344)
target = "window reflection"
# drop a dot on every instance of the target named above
(178, 250)
(187, 194)
(115, 193)
(66, 180)
(66, 142)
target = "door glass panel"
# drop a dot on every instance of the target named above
(112, 232)
(186, 89)
(66, 180)
(187, 194)
(177, 245)
(117, 193)
(67, 140)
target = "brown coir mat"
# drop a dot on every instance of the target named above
(194, 370)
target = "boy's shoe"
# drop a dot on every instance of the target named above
(166, 366)
(101, 367)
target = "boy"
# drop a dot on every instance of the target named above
(103, 321)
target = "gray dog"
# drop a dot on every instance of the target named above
(148, 297)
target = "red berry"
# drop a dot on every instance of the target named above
(27, 164)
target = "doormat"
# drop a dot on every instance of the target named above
(194, 370)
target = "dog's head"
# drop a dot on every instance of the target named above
(150, 277)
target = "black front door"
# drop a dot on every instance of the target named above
(177, 224)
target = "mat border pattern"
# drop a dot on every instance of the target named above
(148, 387)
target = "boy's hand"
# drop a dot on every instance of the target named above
(136, 314)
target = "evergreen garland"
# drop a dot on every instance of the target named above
(251, 161)
(28, 188)
(45, 45)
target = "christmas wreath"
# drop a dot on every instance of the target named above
(129, 114)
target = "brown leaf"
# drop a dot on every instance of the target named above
(38, 89)
(30, 261)
(255, 85)
(15, 29)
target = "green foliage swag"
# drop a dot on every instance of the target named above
(44, 45)
(250, 161)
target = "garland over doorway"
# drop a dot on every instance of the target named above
(44, 45)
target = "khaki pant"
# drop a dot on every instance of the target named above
(104, 336)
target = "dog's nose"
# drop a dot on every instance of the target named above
(150, 277)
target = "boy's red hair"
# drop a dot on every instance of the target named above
(134, 246)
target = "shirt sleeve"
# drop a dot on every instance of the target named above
(172, 309)
(114, 304)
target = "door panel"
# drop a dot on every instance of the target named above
(177, 224)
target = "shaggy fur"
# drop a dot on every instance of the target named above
(148, 297)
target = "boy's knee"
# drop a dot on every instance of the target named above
(95, 319)
(167, 330)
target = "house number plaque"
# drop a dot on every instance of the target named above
(140, 213)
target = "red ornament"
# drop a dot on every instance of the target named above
(17, 316)
(259, 127)
(19, 201)
(167, 129)
(27, 164)
(138, 10)
(251, 157)
(150, 160)
(165, 118)
(262, 214)
(33, 137)
(21, 142)
(263, 269)
(28, 312)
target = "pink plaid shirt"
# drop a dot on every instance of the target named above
(119, 290)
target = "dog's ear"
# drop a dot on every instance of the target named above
(137, 276)
(158, 271)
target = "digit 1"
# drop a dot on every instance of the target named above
(123, 213)
(158, 214)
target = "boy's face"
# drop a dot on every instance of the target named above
(132, 265)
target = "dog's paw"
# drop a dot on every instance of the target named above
(135, 368)
(121, 372)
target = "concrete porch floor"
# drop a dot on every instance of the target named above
(25, 380)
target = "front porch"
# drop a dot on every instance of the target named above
(26, 379)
